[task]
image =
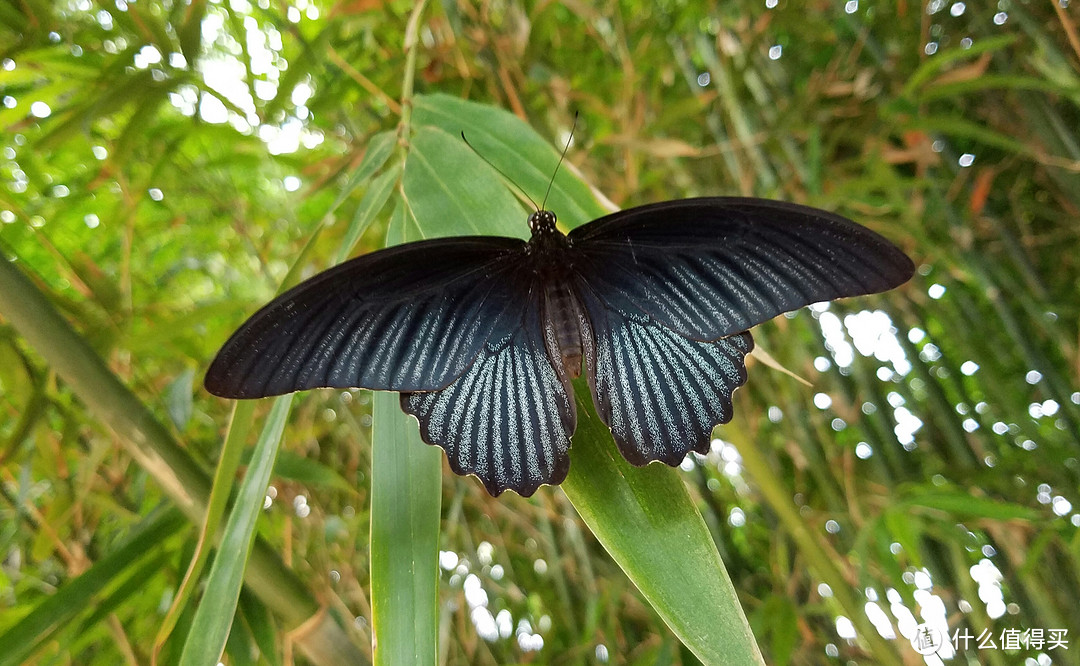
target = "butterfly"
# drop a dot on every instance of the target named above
(482, 335)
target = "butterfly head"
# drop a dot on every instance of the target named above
(542, 222)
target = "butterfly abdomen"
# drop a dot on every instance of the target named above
(562, 326)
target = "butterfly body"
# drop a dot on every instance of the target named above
(482, 335)
(562, 312)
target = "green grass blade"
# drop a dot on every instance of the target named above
(1003, 82)
(210, 628)
(379, 148)
(961, 504)
(956, 127)
(932, 66)
(310, 472)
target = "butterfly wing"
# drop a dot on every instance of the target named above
(671, 289)
(410, 317)
(712, 267)
(660, 392)
(509, 417)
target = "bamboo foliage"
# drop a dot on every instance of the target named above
(166, 167)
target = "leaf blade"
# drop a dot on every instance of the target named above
(213, 618)
(647, 522)
(405, 509)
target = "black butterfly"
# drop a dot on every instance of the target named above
(482, 334)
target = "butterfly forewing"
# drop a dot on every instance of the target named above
(713, 267)
(411, 317)
(509, 417)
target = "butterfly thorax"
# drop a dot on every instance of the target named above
(561, 310)
(548, 247)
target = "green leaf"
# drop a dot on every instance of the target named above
(126, 592)
(210, 628)
(240, 645)
(378, 151)
(263, 630)
(959, 127)
(296, 269)
(996, 82)
(224, 477)
(645, 519)
(940, 61)
(406, 486)
(516, 149)
(961, 505)
(310, 472)
(777, 622)
(903, 530)
(189, 33)
(374, 199)
(451, 192)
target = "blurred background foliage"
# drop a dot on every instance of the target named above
(163, 164)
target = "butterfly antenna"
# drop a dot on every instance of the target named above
(569, 139)
(501, 172)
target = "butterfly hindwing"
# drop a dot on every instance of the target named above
(410, 317)
(509, 417)
(713, 267)
(659, 392)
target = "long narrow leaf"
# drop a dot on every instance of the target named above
(647, 522)
(373, 201)
(516, 149)
(239, 425)
(406, 491)
(210, 629)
